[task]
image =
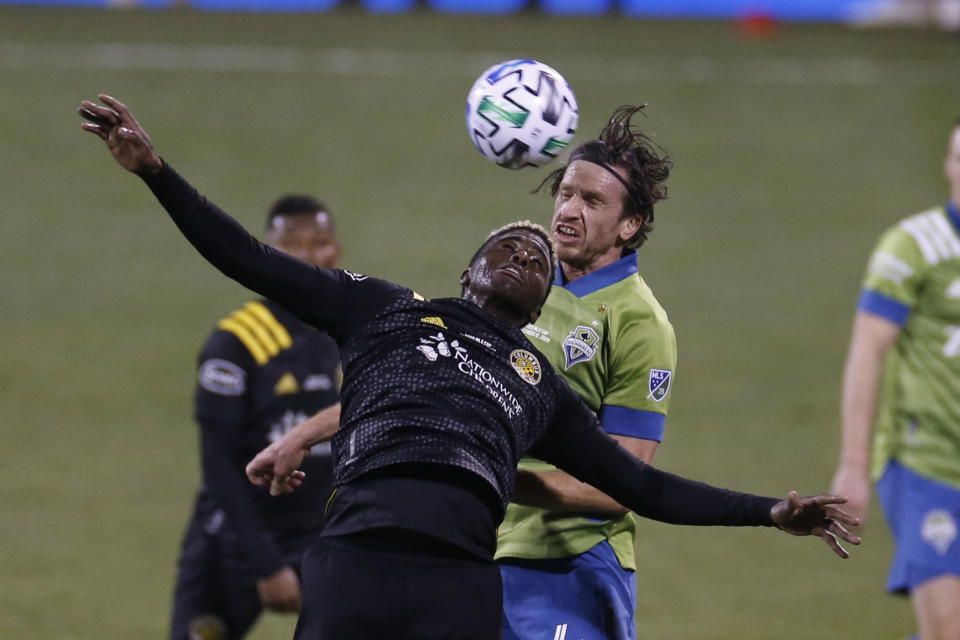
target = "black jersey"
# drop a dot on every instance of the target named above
(260, 373)
(413, 397)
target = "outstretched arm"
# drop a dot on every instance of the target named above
(586, 452)
(559, 491)
(314, 294)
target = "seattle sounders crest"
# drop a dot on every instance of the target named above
(580, 346)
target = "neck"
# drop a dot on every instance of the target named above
(572, 270)
(497, 307)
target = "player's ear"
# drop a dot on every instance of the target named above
(535, 314)
(465, 278)
(629, 227)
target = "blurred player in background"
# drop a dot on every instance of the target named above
(260, 373)
(903, 375)
(569, 568)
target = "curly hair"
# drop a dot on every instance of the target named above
(622, 145)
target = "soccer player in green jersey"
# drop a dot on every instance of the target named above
(901, 390)
(566, 550)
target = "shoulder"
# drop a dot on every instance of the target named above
(255, 328)
(922, 239)
(632, 306)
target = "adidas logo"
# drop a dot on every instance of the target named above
(286, 385)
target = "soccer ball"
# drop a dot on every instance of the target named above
(521, 113)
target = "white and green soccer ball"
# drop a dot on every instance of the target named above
(521, 113)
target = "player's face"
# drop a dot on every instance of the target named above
(513, 268)
(951, 164)
(308, 237)
(588, 227)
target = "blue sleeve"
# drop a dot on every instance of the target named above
(633, 423)
(885, 306)
(223, 412)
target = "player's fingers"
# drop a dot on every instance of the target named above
(825, 499)
(843, 516)
(99, 113)
(278, 485)
(839, 530)
(834, 544)
(261, 479)
(89, 114)
(95, 129)
(115, 104)
(793, 500)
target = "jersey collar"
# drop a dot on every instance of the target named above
(604, 277)
(954, 215)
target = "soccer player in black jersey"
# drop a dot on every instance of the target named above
(440, 399)
(261, 372)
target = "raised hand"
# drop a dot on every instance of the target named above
(816, 516)
(127, 141)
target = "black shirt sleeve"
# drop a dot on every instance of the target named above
(333, 300)
(576, 443)
(223, 412)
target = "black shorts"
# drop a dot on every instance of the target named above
(367, 587)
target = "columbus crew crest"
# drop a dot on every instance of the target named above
(526, 365)
(580, 346)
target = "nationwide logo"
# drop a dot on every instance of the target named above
(580, 346)
(659, 384)
(436, 347)
(526, 365)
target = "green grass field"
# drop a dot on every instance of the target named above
(792, 154)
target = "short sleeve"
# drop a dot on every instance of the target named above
(643, 361)
(893, 277)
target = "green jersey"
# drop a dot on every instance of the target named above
(913, 280)
(611, 340)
